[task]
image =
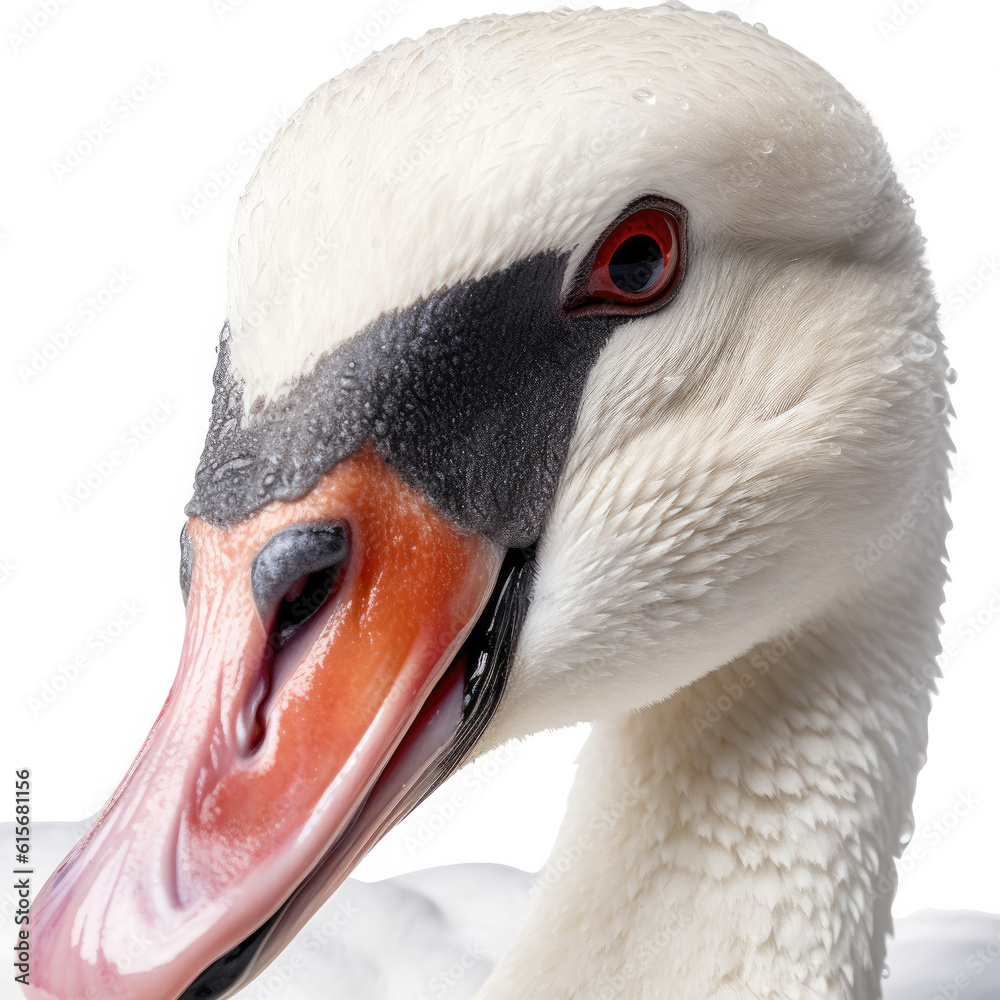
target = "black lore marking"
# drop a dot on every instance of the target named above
(470, 395)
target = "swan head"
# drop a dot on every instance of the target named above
(465, 481)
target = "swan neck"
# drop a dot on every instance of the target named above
(743, 831)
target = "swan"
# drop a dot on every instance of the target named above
(573, 363)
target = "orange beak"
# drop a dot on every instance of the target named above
(307, 716)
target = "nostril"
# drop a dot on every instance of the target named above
(295, 571)
(301, 601)
(291, 577)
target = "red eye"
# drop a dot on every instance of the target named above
(637, 264)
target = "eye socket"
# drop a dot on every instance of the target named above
(636, 265)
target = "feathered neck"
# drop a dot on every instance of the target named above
(738, 839)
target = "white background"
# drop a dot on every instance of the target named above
(232, 70)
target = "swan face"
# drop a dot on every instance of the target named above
(402, 376)
(745, 420)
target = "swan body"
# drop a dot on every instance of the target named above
(441, 932)
(690, 489)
